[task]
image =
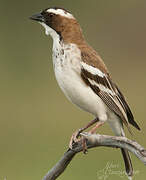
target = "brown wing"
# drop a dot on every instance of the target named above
(127, 109)
(110, 94)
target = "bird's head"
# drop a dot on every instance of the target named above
(59, 22)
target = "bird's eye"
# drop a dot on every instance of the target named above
(51, 14)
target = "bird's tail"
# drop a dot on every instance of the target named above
(128, 163)
(127, 160)
(117, 128)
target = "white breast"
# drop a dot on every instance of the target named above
(67, 67)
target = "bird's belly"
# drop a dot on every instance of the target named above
(79, 93)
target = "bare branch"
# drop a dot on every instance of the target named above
(96, 140)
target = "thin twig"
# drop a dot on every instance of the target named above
(96, 140)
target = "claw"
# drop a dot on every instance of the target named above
(84, 145)
(75, 138)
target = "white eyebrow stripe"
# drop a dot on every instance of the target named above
(61, 12)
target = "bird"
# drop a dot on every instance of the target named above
(84, 78)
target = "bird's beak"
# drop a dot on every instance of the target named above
(38, 17)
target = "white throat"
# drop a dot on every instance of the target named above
(52, 33)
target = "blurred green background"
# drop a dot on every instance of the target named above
(36, 120)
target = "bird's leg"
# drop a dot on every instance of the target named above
(93, 130)
(74, 137)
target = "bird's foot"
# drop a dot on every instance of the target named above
(84, 145)
(75, 138)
